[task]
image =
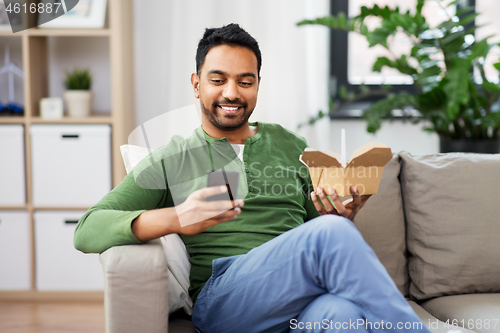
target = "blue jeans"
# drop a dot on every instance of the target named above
(318, 277)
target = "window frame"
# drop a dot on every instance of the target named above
(339, 58)
(339, 67)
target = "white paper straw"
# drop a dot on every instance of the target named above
(342, 148)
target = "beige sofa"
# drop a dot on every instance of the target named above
(435, 225)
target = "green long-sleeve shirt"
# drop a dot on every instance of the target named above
(272, 180)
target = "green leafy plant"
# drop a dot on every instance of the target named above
(78, 79)
(445, 62)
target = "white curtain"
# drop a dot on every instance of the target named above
(295, 60)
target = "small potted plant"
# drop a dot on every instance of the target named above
(78, 96)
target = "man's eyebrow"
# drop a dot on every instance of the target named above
(219, 72)
(216, 71)
(248, 74)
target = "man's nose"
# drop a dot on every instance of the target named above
(231, 91)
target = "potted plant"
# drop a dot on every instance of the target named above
(447, 66)
(78, 96)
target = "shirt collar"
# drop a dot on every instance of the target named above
(260, 129)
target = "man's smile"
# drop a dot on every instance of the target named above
(230, 110)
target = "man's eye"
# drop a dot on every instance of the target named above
(216, 81)
(248, 84)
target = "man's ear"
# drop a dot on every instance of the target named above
(195, 81)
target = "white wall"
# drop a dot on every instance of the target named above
(396, 135)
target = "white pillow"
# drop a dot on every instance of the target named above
(177, 257)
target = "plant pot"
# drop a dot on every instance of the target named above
(78, 102)
(488, 146)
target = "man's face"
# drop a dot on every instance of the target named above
(227, 86)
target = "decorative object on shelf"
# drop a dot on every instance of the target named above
(447, 67)
(10, 69)
(90, 14)
(11, 109)
(78, 96)
(51, 108)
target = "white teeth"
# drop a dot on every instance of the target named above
(227, 108)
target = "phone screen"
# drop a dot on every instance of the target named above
(222, 177)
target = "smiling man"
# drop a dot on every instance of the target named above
(272, 264)
(227, 98)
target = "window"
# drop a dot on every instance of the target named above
(352, 59)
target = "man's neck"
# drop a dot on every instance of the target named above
(237, 136)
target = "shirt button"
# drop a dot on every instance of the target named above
(251, 189)
(247, 171)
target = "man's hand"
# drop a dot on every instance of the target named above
(348, 208)
(189, 218)
(196, 214)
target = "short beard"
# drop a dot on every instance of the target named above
(212, 115)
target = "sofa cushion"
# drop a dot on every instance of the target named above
(432, 323)
(478, 312)
(453, 225)
(381, 222)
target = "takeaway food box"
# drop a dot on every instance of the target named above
(364, 169)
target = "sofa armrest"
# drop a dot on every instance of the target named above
(135, 288)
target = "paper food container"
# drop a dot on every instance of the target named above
(363, 170)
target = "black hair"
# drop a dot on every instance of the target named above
(232, 35)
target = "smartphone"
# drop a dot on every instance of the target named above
(222, 177)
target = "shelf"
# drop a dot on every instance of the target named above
(8, 32)
(61, 208)
(14, 207)
(68, 120)
(64, 120)
(69, 32)
(11, 120)
(58, 32)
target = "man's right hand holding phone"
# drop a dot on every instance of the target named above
(193, 216)
(197, 214)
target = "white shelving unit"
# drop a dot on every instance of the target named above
(38, 65)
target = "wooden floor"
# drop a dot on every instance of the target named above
(51, 317)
